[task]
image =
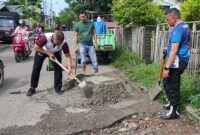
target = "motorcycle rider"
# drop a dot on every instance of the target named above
(39, 29)
(23, 30)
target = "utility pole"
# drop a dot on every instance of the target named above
(51, 15)
(44, 4)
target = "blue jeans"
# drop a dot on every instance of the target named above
(84, 50)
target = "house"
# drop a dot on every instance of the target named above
(11, 8)
(3, 8)
(167, 4)
(164, 5)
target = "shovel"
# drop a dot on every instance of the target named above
(156, 90)
(87, 90)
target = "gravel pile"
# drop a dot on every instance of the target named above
(108, 93)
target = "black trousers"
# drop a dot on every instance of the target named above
(172, 83)
(37, 66)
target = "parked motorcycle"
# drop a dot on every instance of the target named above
(21, 47)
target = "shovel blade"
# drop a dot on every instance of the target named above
(82, 84)
(154, 92)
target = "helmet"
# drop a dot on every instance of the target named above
(21, 21)
(98, 18)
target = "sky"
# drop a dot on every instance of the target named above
(57, 5)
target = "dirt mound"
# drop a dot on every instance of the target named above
(108, 93)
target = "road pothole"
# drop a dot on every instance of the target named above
(105, 91)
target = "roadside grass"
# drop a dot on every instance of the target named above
(135, 68)
(48, 30)
(147, 75)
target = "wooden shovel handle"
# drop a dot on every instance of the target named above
(72, 76)
(161, 68)
(162, 64)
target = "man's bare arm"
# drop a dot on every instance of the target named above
(76, 41)
(42, 51)
(95, 38)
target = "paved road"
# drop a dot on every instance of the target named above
(17, 78)
(48, 113)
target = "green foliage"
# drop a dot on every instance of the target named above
(190, 10)
(188, 87)
(136, 69)
(29, 9)
(138, 12)
(195, 101)
(49, 30)
(70, 14)
(67, 17)
(147, 75)
(93, 5)
(195, 96)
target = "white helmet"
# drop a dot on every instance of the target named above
(21, 21)
(98, 18)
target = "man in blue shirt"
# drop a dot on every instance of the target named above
(100, 26)
(176, 62)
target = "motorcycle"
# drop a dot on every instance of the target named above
(21, 47)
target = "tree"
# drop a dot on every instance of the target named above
(190, 10)
(29, 8)
(137, 12)
(67, 17)
(94, 5)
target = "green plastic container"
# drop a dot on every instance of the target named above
(50, 66)
(111, 31)
(106, 42)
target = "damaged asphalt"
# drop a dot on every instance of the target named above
(113, 98)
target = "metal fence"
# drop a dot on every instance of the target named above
(148, 43)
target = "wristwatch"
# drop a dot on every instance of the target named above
(165, 68)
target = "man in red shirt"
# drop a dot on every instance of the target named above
(49, 45)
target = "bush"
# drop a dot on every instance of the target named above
(48, 30)
(147, 75)
(136, 68)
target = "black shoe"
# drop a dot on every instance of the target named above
(59, 92)
(30, 92)
(171, 114)
(166, 106)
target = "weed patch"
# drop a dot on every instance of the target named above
(147, 75)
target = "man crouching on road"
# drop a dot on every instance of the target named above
(49, 45)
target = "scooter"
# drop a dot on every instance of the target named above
(21, 47)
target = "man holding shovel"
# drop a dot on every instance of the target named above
(49, 45)
(177, 60)
(84, 33)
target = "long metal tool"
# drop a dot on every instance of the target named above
(156, 90)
